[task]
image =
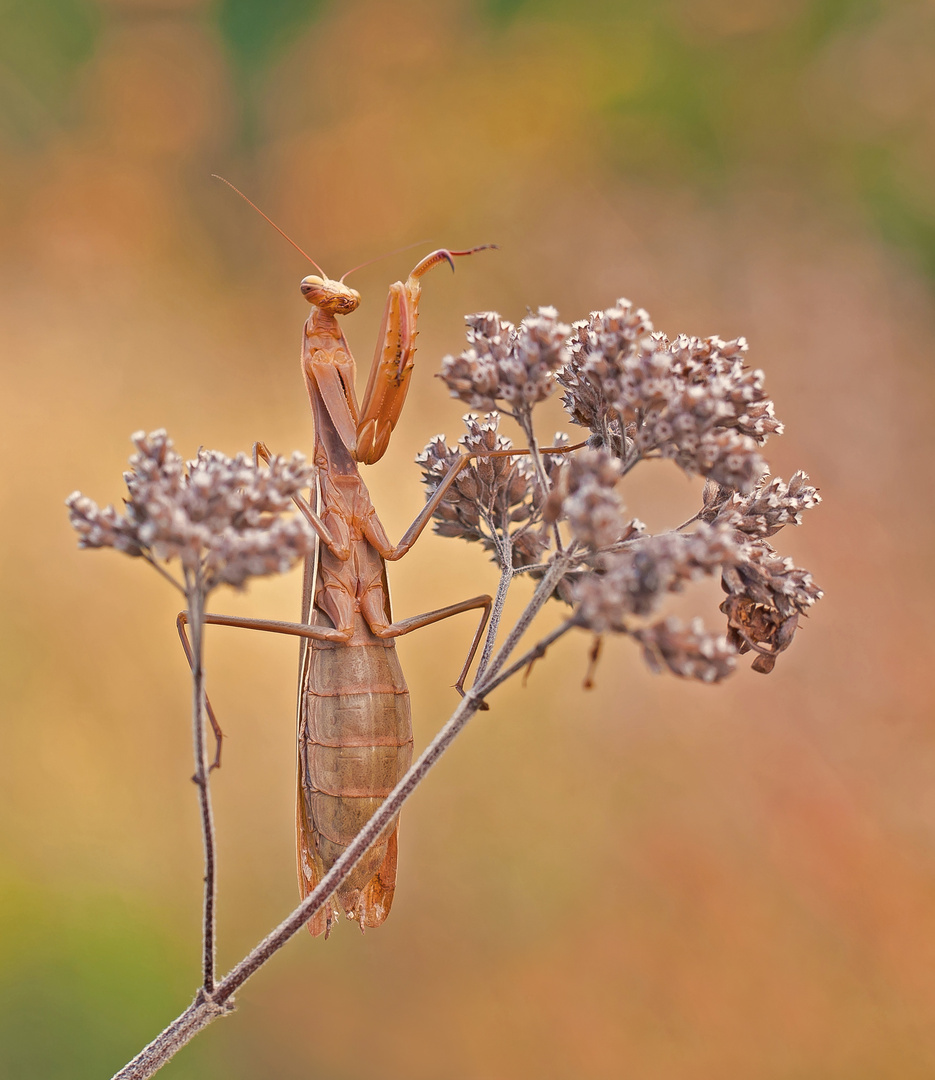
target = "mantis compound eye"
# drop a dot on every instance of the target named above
(311, 287)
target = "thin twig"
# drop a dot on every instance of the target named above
(690, 521)
(496, 613)
(535, 653)
(525, 422)
(196, 606)
(544, 590)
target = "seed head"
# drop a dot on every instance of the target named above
(507, 364)
(492, 499)
(766, 594)
(600, 347)
(222, 518)
(691, 400)
(687, 650)
(635, 581)
(583, 493)
(764, 511)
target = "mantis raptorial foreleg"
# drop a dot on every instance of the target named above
(388, 382)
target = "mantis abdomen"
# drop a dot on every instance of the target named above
(355, 744)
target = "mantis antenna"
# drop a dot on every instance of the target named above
(285, 235)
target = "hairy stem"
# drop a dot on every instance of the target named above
(196, 607)
(496, 613)
(544, 590)
(535, 653)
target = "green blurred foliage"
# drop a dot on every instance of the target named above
(701, 93)
(43, 44)
(256, 34)
(257, 31)
(904, 215)
(85, 980)
(693, 94)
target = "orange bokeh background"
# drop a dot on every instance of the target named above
(651, 878)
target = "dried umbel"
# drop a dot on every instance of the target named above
(505, 364)
(687, 650)
(764, 511)
(224, 519)
(494, 500)
(690, 400)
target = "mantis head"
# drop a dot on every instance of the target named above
(332, 297)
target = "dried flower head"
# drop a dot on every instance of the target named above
(687, 650)
(222, 518)
(583, 493)
(599, 349)
(504, 363)
(766, 594)
(691, 400)
(634, 581)
(494, 500)
(763, 512)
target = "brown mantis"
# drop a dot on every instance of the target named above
(353, 720)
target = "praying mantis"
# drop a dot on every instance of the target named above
(353, 724)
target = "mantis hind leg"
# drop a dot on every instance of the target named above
(371, 606)
(320, 633)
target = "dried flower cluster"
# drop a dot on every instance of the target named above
(692, 400)
(223, 518)
(634, 581)
(494, 500)
(766, 594)
(765, 510)
(583, 493)
(686, 650)
(506, 364)
(641, 396)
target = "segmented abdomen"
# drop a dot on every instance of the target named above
(355, 743)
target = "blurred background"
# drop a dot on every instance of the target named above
(653, 878)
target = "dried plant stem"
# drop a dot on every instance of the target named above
(506, 577)
(204, 1009)
(535, 653)
(524, 419)
(557, 568)
(196, 607)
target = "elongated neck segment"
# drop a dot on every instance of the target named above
(329, 372)
(323, 332)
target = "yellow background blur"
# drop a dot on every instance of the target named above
(651, 879)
